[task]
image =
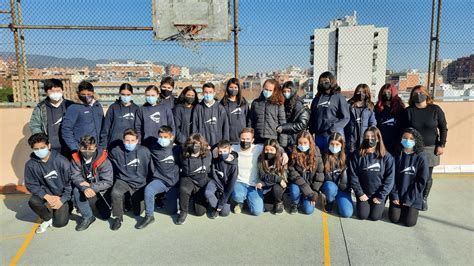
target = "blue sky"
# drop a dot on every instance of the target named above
(274, 34)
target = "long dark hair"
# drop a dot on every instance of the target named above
(182, 97)
(195, 139)
(305, 160)
(334, 87)
(335, 161)
(379, 149)
(280, 169)
(419, 143)
(290, 103)
(368, 99)
(240, 99)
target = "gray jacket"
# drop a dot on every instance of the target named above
(39, 118)
(100, 176)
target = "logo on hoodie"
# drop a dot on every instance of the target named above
(200, 170)
(237, 111)
(134, 162)
(169, 159)
(129, 116)
(324, 104)
(51, 175)
(390, 122)
(58, 122)
(409, 170)
(155, 117)
(373, 167)
(220, 174)
(212, 121)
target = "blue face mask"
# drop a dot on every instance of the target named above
(303, 148)
(41, 153)
(130, 146)
(164, 142)
(208, 97)
(224, 155)
(125, 99)
(334, 150)
(287, 95)
(267, 94)
(151, 99)
(408, 143)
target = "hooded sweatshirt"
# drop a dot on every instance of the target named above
(131, 166)
(197, 168)
(165, 163)
(224, 173)
(237, 116)
(183, 122)
(118, 118)
(329, 113)
(149, 119)
(211, 122)
(51, 177)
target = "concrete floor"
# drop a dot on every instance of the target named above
(444, 235)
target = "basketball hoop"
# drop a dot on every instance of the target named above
(187, 36)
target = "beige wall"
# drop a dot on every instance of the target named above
(14, 150)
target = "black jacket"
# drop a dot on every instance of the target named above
(297, 119)
(183, 123)
(118, 118)
(51, 177)
(264, 118)
(197, 168)
(339, 177)
(99, 173)
(131, 166)
(310, 182)
(224, 173)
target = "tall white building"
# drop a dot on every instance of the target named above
(185, 73)
(354, 53)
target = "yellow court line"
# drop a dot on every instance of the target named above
(12, 237)
(25, 244)
(327, 253)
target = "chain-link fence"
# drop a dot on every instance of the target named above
(365, 41)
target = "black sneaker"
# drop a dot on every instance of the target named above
(278, 208)
(84, 224)
(181, 218)
(329, 207)
(145, 222)
(214, 214)
(294, 209)
(116, 224)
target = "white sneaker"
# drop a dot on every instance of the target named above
(44, 225)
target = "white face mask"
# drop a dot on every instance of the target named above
(55, 96)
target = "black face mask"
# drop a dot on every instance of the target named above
(245, 145)
(166, 93)
(386, 97)
(360, 97)
(419, 97)
(369, 143)
(232, 92)
(324, 87)
(87, 155)
(270, 156)
(189, 100)
(194, 149)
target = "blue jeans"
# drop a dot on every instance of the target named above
(210, 194)
(342, 198)
(253, 196)
(156, 187)
(295, 195)
(95, 206)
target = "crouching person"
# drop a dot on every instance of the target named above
(47, 177)
(92, 176)
(131, 162)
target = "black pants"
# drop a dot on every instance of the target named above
(188, 188)
(369, 210)
(403, 214)
(274, 195)
(60, 216)
(119, 190)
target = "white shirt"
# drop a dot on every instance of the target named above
(248, 169)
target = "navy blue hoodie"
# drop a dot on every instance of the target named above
(211, 122)
(197, 168)
(165, 163)
(237, 116)
(371, 176)
(131, 166)
(411, 176)
(183, 122)
(361, 118)
(170, 102)
(51, 177)
(224, 173)
(329, 113)
(149, 119)
(391, 127)
(118, 118)
(80, 120)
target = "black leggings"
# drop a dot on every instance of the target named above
(274, 195)
(403, 214)
(369, 210)
(119, 190)
(188, 188)
(60, 216)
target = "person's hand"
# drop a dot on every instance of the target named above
(89, 192)
(377, 201)
(284, 159)
(57, 205)
(218, 209)
(259, 186)
(313, 203)
(363, 198)
(51, 200)
(283, 183)
(279, 129)
(439, 151)
(396, 202)
(84, 184)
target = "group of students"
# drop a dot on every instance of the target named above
(224, 154)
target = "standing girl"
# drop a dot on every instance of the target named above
(237, 109)
(183, 114)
